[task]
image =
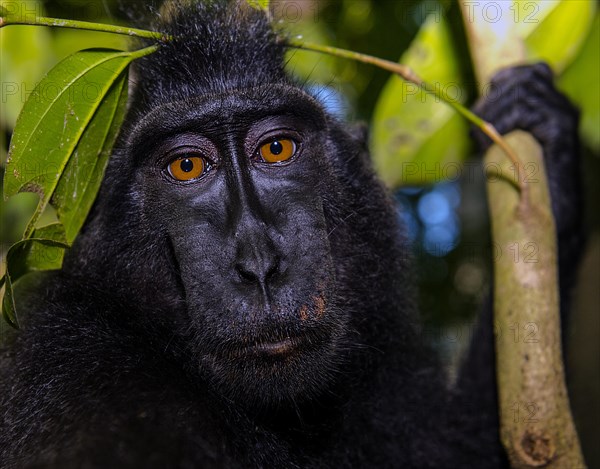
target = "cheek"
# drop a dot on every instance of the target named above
(207, 256)
(208, 251)
(202, 252)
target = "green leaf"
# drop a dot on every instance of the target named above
(80, 181)
(59, 150)
(55, 117)
(67, 41)
(43, 251)
(259, 4)
(8, 302)
(36, 256)
(580, 82)
(417, 139)
(558, 37)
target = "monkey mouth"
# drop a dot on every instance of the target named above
(275, 347)
(283, 347)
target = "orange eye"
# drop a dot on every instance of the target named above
(278, 150)
(186, 169)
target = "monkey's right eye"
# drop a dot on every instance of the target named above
(188, 168)
(277, 151)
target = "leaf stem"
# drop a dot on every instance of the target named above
(409, 75)
(33, 221)
(83, 25)
(401, 70)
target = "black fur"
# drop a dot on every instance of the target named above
(148, 348)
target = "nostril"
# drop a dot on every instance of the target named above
(246, 274)
(258, 272)
(273, 269)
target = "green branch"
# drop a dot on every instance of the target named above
(7, 20)
(401, 70)
(408, 74)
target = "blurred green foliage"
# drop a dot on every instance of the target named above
(581, 82)
(412, 129)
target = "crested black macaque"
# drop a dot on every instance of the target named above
(240, 295)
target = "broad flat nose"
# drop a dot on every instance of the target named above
(258, 269)
(258, 265)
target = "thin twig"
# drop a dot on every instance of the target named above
(401, 70)
(409, 75)
(9, 20)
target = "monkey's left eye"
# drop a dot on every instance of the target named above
(188, 168)
(277, 151)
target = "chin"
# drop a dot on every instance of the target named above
(276, 369)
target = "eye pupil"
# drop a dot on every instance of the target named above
(186, 165)
(276, 148)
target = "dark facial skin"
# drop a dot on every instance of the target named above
(249, 237)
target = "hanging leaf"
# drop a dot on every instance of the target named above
(417, 139)
(55, 117)
(43, 251)
(59, 150)
(35, 256)
(80, 181)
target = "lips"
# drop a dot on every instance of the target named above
(281, 347)
(273, 342)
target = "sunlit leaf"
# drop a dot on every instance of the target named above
(43, 251)
(417, 139)
(3, 154)
(580, 82)
(55, 117)
(80, 181)
(558, 37)
(59, 150)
